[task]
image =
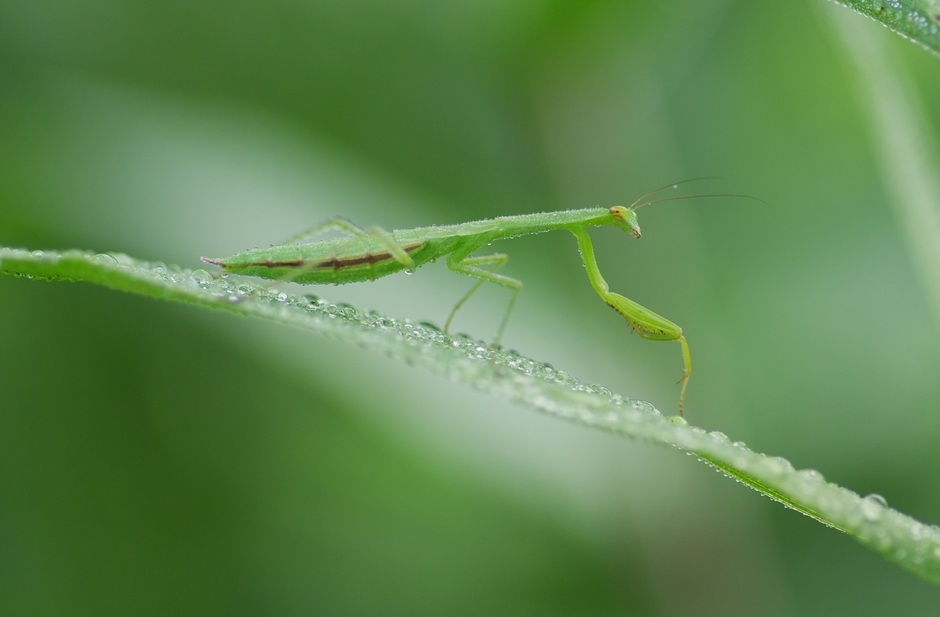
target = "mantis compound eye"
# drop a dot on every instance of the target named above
(619, 213)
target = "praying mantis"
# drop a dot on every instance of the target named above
(369, 254)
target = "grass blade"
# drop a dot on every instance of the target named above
(911, 544)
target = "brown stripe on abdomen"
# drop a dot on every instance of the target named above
(336, 263)
(368, 258)
(278, 264)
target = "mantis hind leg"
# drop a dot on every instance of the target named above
(470, 267)
(345, 225)
(338, 223)
(376, 233)
(396, 249)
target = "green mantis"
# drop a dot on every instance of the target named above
(369, 254)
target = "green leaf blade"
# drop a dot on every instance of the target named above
(917, 20)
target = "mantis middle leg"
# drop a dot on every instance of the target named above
(470, 267)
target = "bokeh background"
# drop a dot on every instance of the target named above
(161, 459)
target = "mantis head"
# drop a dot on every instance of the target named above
(625, 219)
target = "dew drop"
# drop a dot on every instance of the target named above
(879, 499)
(105, 260)
(811, 475)
(678, 421)
(599, 389)
(872, 506)
(201, 277)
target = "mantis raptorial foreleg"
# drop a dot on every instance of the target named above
(469, 266)
(643, 321)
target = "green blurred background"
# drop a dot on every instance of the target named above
(160, 459)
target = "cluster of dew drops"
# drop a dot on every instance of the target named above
(414, 334)
(223, 290)
(897, 11)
